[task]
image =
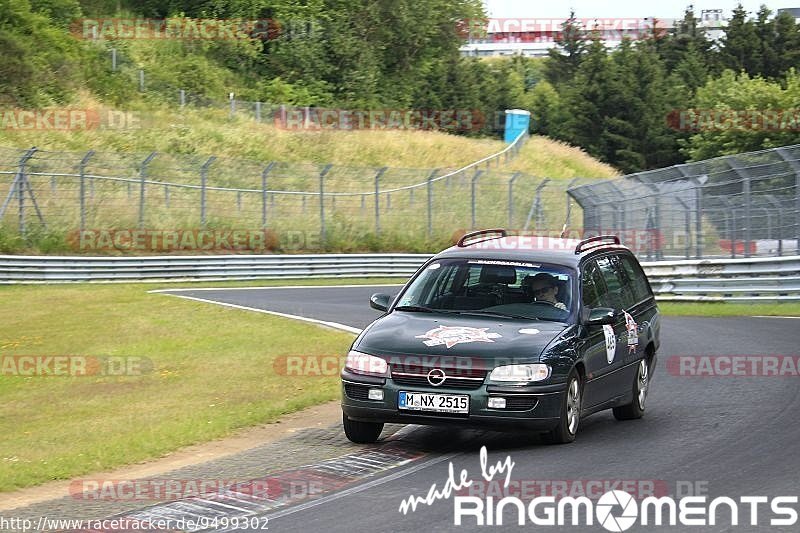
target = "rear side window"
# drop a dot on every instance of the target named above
(593, 289)
(620, 295)
(636, 278)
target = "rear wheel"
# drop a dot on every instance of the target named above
(570, 418)
(361, 432)
(641, 382)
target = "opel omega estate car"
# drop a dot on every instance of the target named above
(510, 333)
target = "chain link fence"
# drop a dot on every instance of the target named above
(319, 206)
(733, 206)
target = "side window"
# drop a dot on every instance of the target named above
(619, 293)
(636, 277)
(593, 288)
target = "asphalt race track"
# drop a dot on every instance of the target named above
(712, 436)
(720, 436)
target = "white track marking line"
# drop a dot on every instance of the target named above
(276, 287)
(334, 325)
(768, 316)
(361, 488)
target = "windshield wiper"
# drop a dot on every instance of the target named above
(498, 313)
(422, 309)
(415, 309)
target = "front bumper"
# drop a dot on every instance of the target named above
(533, 407)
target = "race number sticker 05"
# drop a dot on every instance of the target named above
(611, 343)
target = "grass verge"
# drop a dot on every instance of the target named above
(729, 309)
(213, 372)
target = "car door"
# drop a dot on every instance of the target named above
(620, 296)
(600, 349)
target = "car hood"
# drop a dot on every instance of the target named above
(406, 333)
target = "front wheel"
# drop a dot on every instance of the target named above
(570, 417)
(641, 383)
(361, 432)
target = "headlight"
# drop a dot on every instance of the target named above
(362, 363)
(520, 373)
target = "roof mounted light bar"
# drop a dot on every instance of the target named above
(594, 242)
(499, 232)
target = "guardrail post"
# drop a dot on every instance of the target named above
(511, 198)
(430, 201)
(747, 216)
(82, 170)
(378, 200)
(472, 187)
(166, 196)
(203, 180)
(322, 233)
(142, 178)
(264, 175)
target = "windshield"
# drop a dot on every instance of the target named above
(516, 289)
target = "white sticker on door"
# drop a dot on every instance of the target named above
(611, 343)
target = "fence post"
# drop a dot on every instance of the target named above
(183, 97)
(747, 215)
(568, 217)
(258, 111)
(535, 205)
(141, 80)
(142, 178)
(698, 218)
(264, 175)
(113, 60)
(17, 188)
(82, 170)
(472, 185)
(511, 198)
(322, 234)
(233, 104)
(203, 179)
(378, 200)
(430, 202)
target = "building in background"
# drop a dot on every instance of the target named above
(532, 37)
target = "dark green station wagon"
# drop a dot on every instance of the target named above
(509, 333)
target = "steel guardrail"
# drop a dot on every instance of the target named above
(752, 279)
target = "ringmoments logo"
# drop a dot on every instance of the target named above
(615, 510)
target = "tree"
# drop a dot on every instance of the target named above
(740, 44)
(565, 58)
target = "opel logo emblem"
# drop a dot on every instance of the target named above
(436, 377)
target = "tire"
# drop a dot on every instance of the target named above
(641, 382)
(361, 432)
(570, 416)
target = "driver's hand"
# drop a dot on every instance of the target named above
(560, 305)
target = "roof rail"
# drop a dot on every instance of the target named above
(599, 240)
(462, 242)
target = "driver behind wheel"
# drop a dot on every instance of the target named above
(543, 288)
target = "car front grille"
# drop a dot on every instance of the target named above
(464, 378)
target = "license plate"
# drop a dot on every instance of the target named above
(437, 403)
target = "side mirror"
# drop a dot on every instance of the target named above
(380, 301)
(601, 315)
